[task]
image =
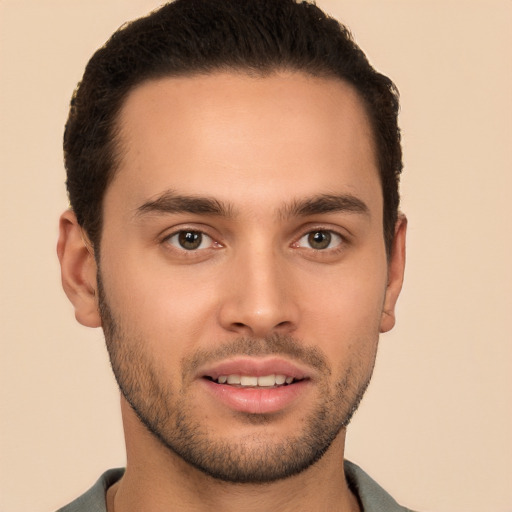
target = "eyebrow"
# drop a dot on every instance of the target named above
(325, 203)
(170, 202)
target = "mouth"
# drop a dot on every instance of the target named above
(256, 386)
(253, 381)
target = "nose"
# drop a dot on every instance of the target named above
(258, 296)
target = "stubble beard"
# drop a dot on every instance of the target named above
(169, 415)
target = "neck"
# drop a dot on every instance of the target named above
(156, 479)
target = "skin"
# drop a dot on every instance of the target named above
(258, 146)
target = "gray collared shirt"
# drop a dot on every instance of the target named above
(372, 497)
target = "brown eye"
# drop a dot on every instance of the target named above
(319, 239)
(190, 240)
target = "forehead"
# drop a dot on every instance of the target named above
(235, 136)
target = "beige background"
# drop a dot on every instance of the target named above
(435, 428)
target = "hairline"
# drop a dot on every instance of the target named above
(117, 149)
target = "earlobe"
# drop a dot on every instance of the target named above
(78, 270)
(396, 268)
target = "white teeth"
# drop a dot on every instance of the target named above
(280, 379)
(265, 381)
(248, 381)
(233, 379)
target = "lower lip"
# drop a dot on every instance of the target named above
(257, 400)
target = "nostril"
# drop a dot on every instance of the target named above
(285, 327)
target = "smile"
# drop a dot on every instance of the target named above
(257, 385)
(252, 381)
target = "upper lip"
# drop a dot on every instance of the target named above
(257, 367)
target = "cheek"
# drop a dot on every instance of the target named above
(349, 333)
(156, 305)
(345, 310)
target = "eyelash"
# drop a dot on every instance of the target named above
(339, 240)
(168, 240)
(333, 236)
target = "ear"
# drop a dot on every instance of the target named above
(78, 270)
(396, 268)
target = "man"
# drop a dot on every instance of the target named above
(234, 229)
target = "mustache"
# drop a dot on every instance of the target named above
(272, 345)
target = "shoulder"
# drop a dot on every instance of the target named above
(94, 499)
(372, 496)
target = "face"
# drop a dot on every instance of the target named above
(243, 278)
